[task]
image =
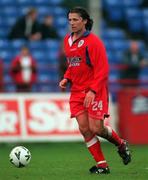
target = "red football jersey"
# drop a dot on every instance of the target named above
(87, 62)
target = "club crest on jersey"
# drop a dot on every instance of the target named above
(81, 42)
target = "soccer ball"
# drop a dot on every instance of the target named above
(20, 156)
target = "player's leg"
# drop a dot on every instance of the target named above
(92, 143)
(98, 111)
(79, 111)
(122, 145)
(101, 166)
(97, 126)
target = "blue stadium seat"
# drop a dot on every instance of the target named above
(45, 75)
(59, 11)
(141, 45)
(7, 77)
(49, 88)
(107, 44)
(11, 11)
(103, 24)
(114, 74)
(52, 44)
(113, 33)
(62, 31)
(47, 2)
(55, 2)
(114, 9)
(134, 20)
(133, 13)
(145, 29)
(45, 10)
(3, 34)
(145, 13)
(40, 87)
(26, 3)
(39, 56)
(8, 2)
(119, 45)
(115, 14)
(145, 21)
(144, 73)
(9, 21)
(145, 53)
(119, 57)
(17, 44)
(115, 57)
(4, 44)
(36, 45)
(43, 2)
(131, 3)
(10, 88)
(61, 22)
(7, 56)
(2, 22)
(52, 57)
(110, 55)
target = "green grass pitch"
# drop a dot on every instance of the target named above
(71, 161)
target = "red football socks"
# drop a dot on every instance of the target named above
(94, 147)
(113, 137)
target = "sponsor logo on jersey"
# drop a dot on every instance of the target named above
(74, 61)
(81, 42)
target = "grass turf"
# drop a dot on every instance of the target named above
(71, 161)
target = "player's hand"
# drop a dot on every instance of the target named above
(63, 83)
(89, 98)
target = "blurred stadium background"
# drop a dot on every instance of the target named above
(43, 116)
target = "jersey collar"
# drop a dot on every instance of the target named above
(85, 34)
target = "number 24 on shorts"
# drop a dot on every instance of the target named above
(97, 105)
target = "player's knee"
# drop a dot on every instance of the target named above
(84, 130)
(97, 130)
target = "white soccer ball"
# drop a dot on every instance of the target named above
(20, 156)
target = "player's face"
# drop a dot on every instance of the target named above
(25, 52)
(76, 22)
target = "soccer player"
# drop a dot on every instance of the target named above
(88, 74)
